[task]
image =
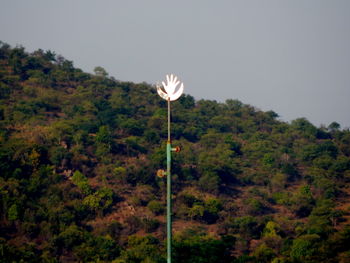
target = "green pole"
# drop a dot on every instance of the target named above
(168, 150)
(168, 154)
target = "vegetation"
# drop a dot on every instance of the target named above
(78, 159)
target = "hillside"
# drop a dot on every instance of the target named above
(78, 159)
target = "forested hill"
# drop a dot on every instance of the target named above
(78, 159)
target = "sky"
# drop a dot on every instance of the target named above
(292, 57)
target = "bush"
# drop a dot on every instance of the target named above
(247, 226)
(70, 237)
(201, 248)
(305, 248)
(150, 225)
(212, 208)
(187, 199)
(81, 182)
(209, 182)
(254, 206)
(263, 253)
(156, 207)
(142, 249)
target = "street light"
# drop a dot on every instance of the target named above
(170, 92)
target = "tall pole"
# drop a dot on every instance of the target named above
(170, 92)
(168, 154)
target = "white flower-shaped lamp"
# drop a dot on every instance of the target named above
(169, 91)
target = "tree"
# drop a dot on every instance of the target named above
(278, 182)
(100, 72)
(104, 142)
(334, 126)
(101, 200)
(97, 249)
(142, 249)
(263, 253)
(192, 247)
(304, 126)
(196, 212)
(70, 237)
(271, 229)
(305, 248)
(247, 226)
(156, 207)
(209, 182)
(104, 135)
(120, 174)
(219, 161)
(13, 213)
(81, 182)
(302, 201)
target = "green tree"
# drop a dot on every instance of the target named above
(120, 174)
(100, 72)
(209, 182)
(156, 207)
(13, 213)
(142, 250)
(81, 182)
(199, 248)
(334, 126)
(305, 248)
(70, 237)
(263, 253)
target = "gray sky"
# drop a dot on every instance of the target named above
(292, 57)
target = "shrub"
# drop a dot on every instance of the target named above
(156, 207)
(81, 182)
(209, 182)
(263, 253)
(254, 206)
(150, 225)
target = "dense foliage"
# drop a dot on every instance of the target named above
(78, 159)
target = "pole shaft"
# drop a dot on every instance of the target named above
(169, 227)
(169, 234)
(169, 120)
